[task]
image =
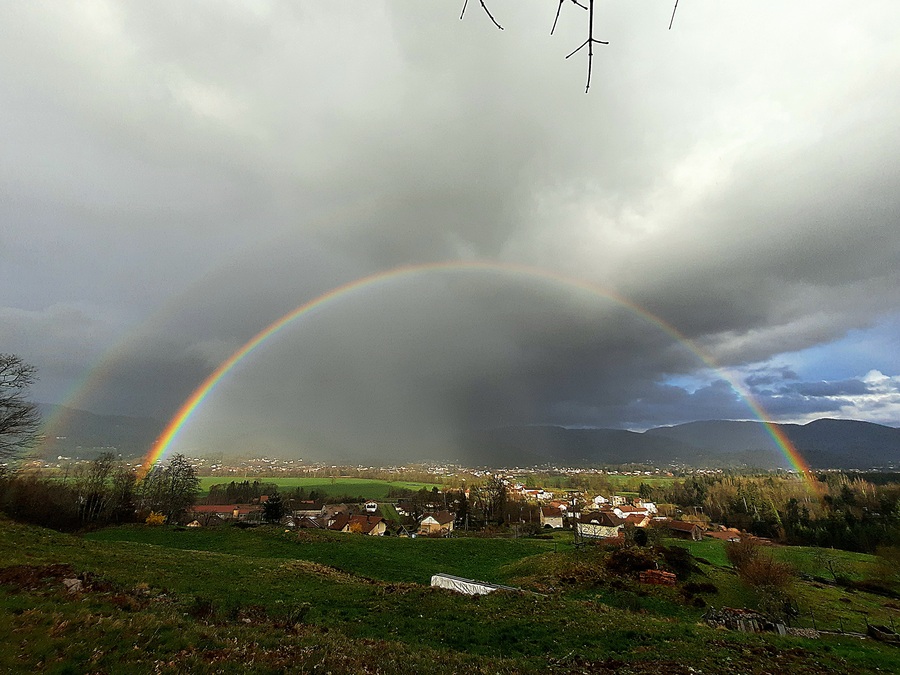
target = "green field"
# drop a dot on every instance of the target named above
(228, 600)
(368, 488)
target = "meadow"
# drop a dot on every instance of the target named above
(367, 488)
(265, 600)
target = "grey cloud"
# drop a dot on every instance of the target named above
(183, 175)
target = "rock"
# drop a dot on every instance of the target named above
(73, 585)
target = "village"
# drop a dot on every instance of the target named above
(436, 513)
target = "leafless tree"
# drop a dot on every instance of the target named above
(589, 43)
(19, 418)
(169, 489)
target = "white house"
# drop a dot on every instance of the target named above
(599, 525)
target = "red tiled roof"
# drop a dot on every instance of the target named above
(365, 523)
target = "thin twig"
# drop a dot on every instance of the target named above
(672, 20)
(590, 45)
(486, 11)
(558, 8)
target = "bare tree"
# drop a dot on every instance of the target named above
(170, 489)
(19, 418)
(589, 43)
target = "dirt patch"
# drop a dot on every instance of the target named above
(35, 577)
(55, 576)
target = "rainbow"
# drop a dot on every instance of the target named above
(166, 438)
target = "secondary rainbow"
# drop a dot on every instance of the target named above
(162, 444)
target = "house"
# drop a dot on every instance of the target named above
(340, 523)
(650, 507)
(599, 525)
(374, 526)
(371, 506)
(207, 514)
(306, 508)
(684, 530)
(331, 511)
(307, 522)
(438, 523)
(624, 511)
(551, 517)
(637, 519)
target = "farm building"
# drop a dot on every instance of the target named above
(551, 517)
(684, 530)
(599, 525)
(437, 523)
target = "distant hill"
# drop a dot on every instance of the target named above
(825, 443)
(529, 445)
(86, 434)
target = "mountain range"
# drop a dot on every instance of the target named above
(824, 443)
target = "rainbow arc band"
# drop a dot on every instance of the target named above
(166, 438)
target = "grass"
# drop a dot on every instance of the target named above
(384, 558)
(231, 600)
(825, 606)
(368, 488)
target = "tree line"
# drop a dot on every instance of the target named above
(103, 492)
(838, 510)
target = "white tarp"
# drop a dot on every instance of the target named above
(467, 586)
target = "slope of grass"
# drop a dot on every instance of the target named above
(825, 606)
(269, 604)
(392, 559)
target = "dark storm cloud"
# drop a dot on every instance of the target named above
(818, 389)
(179, 176)
(766, 377)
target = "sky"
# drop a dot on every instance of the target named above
(716, 219)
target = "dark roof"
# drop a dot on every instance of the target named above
(605, 518)
(340, 522)
(365, 523)
(442, 517)
(681, 525)
(551, 512)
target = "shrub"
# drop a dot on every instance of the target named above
(678, 559)
(629, 561)
(739, 553)
(155, 519)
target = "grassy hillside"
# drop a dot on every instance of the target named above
(230, 600)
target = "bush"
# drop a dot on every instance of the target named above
(629, 561)
(678, 559)
(155, 519)
(739, 553)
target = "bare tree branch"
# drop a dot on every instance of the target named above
(590, 45)
(19, 419)
(672, 20)
(486, 11)
(558, 8)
